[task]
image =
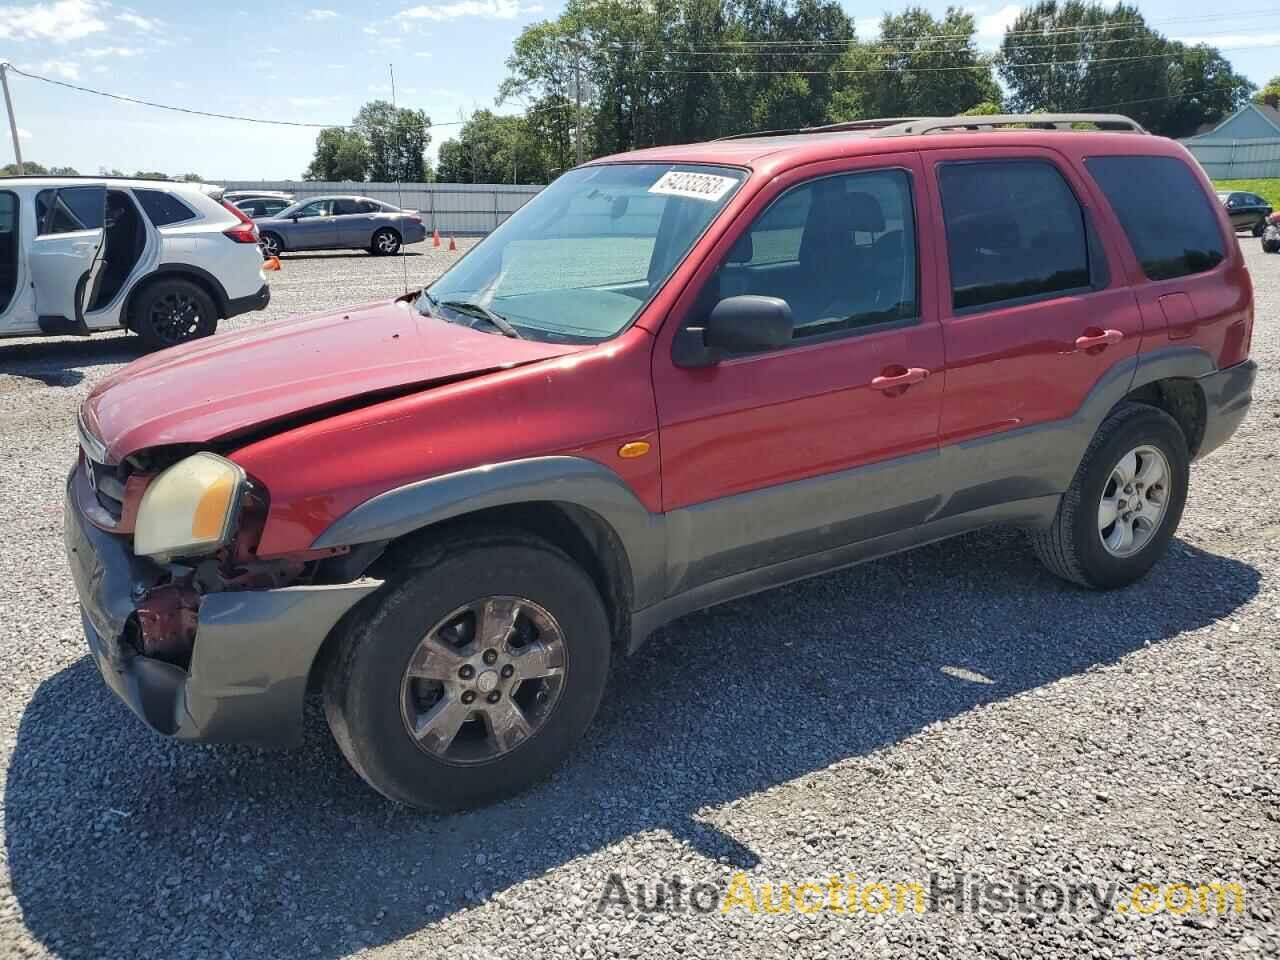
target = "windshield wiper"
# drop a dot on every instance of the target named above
(480, 310)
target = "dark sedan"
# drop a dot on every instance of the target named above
(1247, 211)
(340, 223)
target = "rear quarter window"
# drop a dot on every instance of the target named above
(163, 208)
(1164, 212)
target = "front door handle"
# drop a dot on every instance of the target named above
(891, 380)
(1093, 337)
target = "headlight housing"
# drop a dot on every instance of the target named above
(190, 509)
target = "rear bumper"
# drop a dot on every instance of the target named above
(1227, 394)
(253, 649)
(254, 301)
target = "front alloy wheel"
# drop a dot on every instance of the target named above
(483, 680)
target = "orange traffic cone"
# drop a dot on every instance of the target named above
(272, 264)
(452, 245)
(435, 238)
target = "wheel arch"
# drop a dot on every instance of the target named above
(1168, 379)
(179, 271)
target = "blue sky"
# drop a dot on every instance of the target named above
(317, 63)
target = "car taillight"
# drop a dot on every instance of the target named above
(246, 231)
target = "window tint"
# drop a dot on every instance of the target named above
(841, 251)
(163, 208)
(1164, 213)
(1014, 230)
(347, 207)
(368, 206)
(70, 209)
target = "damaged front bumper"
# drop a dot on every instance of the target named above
(253, 649)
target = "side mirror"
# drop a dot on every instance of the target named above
(746, 324)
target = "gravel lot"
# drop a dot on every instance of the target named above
(954, 711)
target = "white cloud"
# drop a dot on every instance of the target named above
(97, 53)
(65, 69)
(145, 24)
(371, 31)
(424, 54)
(60, 22)
(321, 14)
(1234, 40)
(488, 9)
(866, 27)
(993, 25)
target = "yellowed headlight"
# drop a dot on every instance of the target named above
(189, 510)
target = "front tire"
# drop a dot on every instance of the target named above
(170, 312)
(473, 675)
(1124, 504)
(385, 243)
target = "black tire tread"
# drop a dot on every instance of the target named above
(139, 308)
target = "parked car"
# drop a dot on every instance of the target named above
(257, 207)
(1271, 234)
(1247, 211)
(674, 377)
(341, 223)
(237, 196)
(164, 259)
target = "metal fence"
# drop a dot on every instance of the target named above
(451, 208)
(1237, 159)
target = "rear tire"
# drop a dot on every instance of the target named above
(271, 245)
(169, 312)
(1081, 546)
(1259, 228)
(385, 243)
(419, 710)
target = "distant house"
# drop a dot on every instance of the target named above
(1245, 146)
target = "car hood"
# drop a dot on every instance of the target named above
(244, 381)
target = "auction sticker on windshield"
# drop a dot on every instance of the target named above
(696, 186)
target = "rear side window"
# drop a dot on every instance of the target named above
(163, 208)
(1164, 212)
(1014, 231)
(70, 209)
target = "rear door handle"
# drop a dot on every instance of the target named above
(908, 376)
(1102, 338)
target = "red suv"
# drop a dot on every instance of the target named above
(675, 377)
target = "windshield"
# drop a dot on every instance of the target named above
(578, 261)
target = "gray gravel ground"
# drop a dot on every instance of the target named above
(954, 711)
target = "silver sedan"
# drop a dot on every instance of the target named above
(340, 223)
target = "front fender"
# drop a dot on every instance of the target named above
(574, 480)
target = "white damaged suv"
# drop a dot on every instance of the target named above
(167, 260)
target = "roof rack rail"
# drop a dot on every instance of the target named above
(1039, 121)
(844, 126)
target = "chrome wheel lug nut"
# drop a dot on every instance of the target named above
(468, 696)
(494, 697)
(467, 671)
(491, 656)
(507, 671)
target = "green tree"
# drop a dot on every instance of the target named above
(29, 169)
(493, 149)
(397, 140)
(925, 67)
(340, 155)
(1272, 89)
(149, 175)
(1077, 55)
(986, 108)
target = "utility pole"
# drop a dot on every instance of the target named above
(13, 123)
(577, 46)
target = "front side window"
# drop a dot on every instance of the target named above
(1164, 212)
(1014, 231)
(8, 248)
(163, 208)
(70, 209)
(840, 250)
(580, 260)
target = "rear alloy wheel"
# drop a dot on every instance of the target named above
(472, 673)
(270, 245)
(385, 243)
(1124, 504)
(171, 312)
